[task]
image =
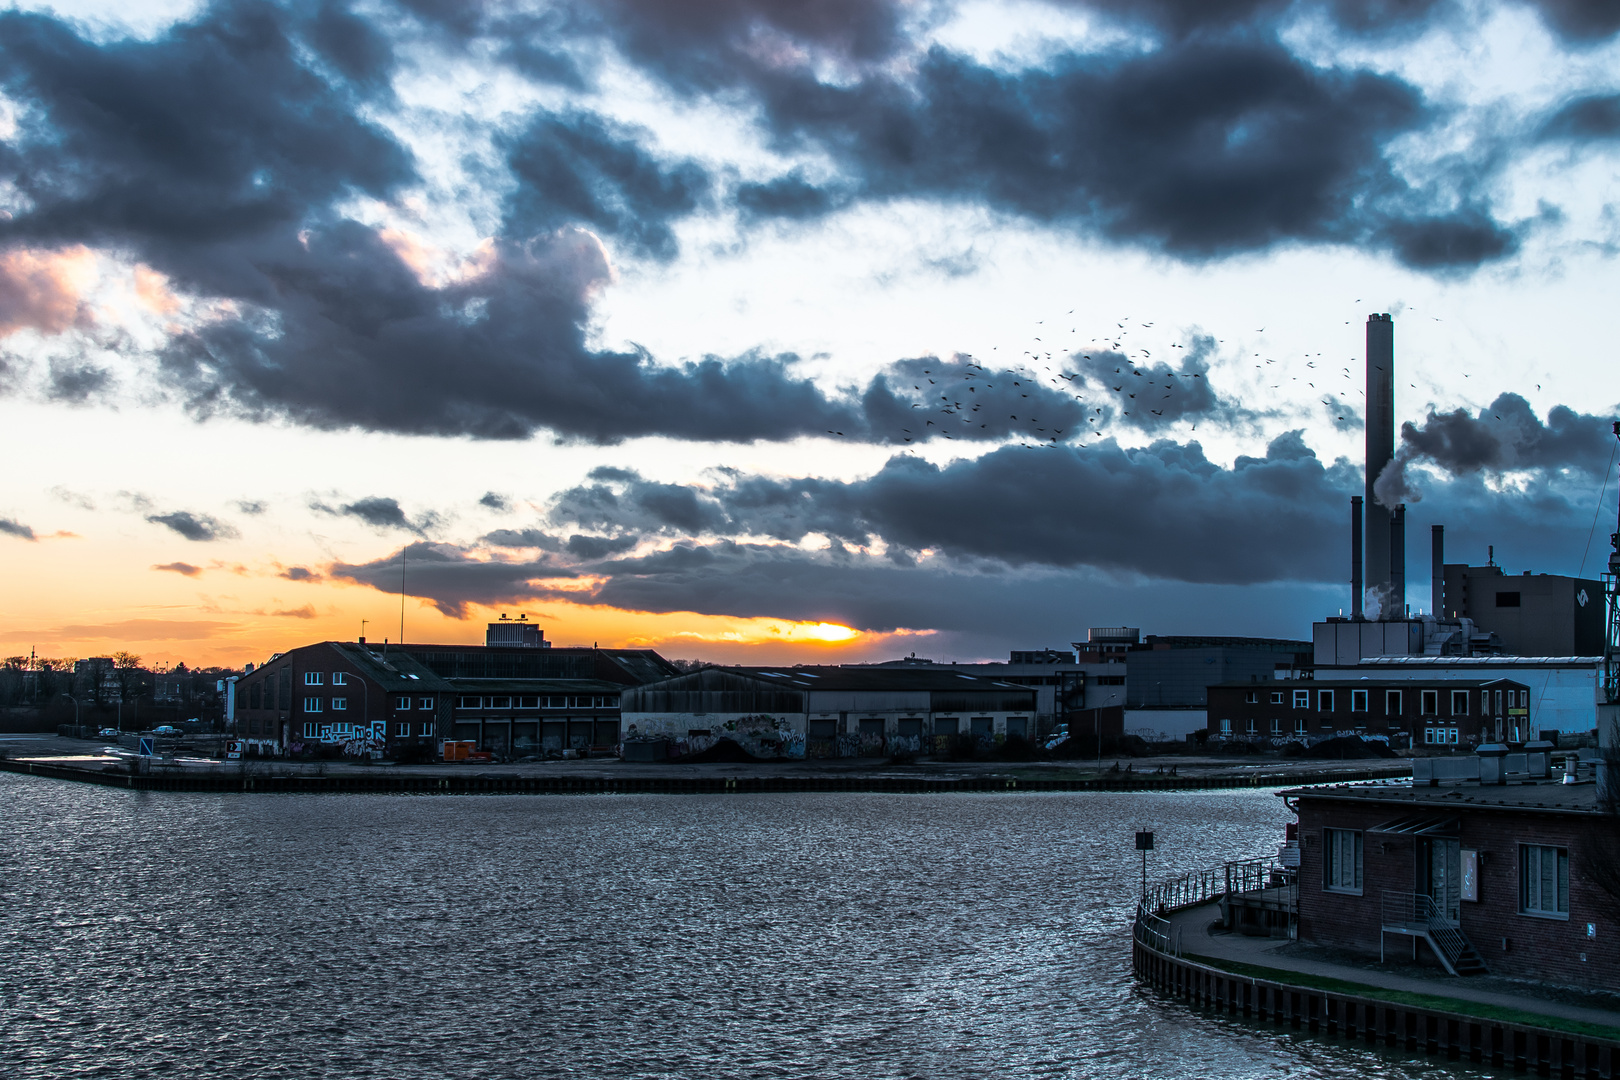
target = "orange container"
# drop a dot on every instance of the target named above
(458, 751)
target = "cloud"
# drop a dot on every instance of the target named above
(252, 507)
(449, 577)
(182, 568)
(131, 630)
(76, 381)
(13, 527)
(1504, 436)
(192, 526)
(580, 169)
(521, 538)
(73, 498)
(43, 289)
(380, 513)
(496, 502)
(1589, 118)
(299, 573)
(305, 612)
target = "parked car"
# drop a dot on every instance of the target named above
(109, 733)
(165, 729)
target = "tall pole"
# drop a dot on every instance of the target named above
(405, 547)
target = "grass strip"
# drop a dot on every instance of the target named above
(1482, 1010)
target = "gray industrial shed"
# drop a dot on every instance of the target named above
(825, 711)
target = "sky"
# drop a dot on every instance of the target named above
(786, 330)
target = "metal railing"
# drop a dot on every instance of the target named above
(1418, 914)
(1153, 930)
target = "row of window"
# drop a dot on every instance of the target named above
(314, 678)
(403, 702)
(1434, 736)
(559, 701)
(340, 732)
(1543, 873)
(1428, 701)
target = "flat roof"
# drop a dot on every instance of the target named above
(1542, 796)
(1468, 661)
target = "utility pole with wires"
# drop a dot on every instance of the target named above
(403, 548)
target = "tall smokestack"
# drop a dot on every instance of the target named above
(1355, 557)
(1437, 572)
(1397, 564)
(1380, 449)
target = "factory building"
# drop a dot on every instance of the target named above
(825, 711)
(1421, 711)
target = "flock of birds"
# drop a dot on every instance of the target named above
(963, 385)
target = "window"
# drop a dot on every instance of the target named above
(1251, 725)
(309, 729)
(339, 704)
(1513, 698)
(528, 703)
(1324, 700)
(312, 678)
(340, 678)
(1251, 697)
(425, 703)
(1276, 697)
(1431, 703)
(1110, 680)
(1392, 703)
(427, 730)
(1343, 861)
(1276, 726)
(1302, 699)
(469, 703)
(1507, 599)
(1358, 701)
(554, 703)
(1226, 726)
(1485, 705)
(499, 703)
(402, 703)
(1440, 736)
(403, 730)
(1544, 880)
(1459, 703)
(312, 704)
(1299, 726)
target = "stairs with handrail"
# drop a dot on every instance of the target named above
(1417, 915)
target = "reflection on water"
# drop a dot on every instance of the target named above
(824, 935)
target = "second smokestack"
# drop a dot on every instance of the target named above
(1396, 605)
(1437, 572)
(1380, 446)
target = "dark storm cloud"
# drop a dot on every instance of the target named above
(214, 153)
(521, 538)
(1504, 436)
(591, 548)
(1102, 507)
(1203, 148)
(1586, 118)
(13, 527)
(380, 513)
(495, 501)
(448, 577)
(578, 169)
(199, 527)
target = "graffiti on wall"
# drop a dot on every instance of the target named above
(760, 734)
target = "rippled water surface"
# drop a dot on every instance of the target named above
(808, 935)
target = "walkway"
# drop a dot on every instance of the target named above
(1191, 931)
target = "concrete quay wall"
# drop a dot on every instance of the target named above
(668, 781)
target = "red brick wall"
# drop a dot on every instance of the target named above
(1537, 948)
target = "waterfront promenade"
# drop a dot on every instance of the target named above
(1195, 935)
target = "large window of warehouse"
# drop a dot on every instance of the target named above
(1343, 862)
(1544, 880)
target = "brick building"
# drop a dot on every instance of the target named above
(1435, 712)
(373, 701)
(1504, 878)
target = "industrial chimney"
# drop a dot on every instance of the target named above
(1355, 557)
(1437, 572)
(1380, 451)
(1395, 605)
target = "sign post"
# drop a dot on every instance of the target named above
(146, 746)
(1144, 844)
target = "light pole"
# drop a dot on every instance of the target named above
(75, 701)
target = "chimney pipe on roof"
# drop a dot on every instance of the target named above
(1355, 557)
(1397, 563)
(1437, 572)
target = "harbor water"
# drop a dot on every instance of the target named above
(794, 935)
